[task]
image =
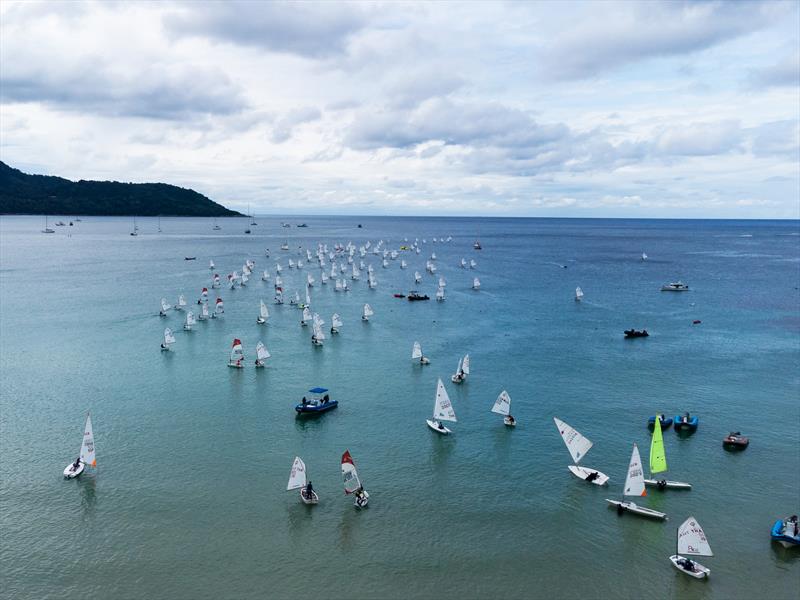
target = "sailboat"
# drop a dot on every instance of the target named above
(463, 263)
(442, 282)
(47, 226)
(440, 294)
(691, 540)
(338, 286)
(403, 264)
(262, 354)
(215, 281)
(578, 294)
(189, 321)
(252, 216)
(159, 223)
(263, 314)
(317, 335)
(336, 322)
(578, 446)
(634, 486)
(462, 371)
(658, 461)
(306, 317)
(323, 278)
(352, 484)
(164, 308)
(644, 256)
(476, 284)
(442, 410)
(472, 264)
(181, 303)
(417, 277)
(502, 406)
(135, 230)
(211, 265)
(416, 354)
(216, 227)
(169, 338)
(203, 316)
(310, 280)
(86, 456)
(278, 295)
(297, 480)
(219, 308)
(236, 359)
(356, 274)
(366, 313)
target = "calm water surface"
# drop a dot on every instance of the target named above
(189, 500)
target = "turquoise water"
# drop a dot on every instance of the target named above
(189, 500)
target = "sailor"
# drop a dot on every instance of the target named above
(511, 419)
(163, 346)
(304, 401)
(76, 464)
(441, 426)
(325, 398)
(592, 476)
(309, 491)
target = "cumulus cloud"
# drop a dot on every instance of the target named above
(283, 127)
(613, 35)
(311, 30)
(700, 139)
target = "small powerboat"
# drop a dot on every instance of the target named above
(319, 403)
(664, 420)
(399, 295)
(786, 532)
(414, 295)
(633, 333)
(686, 422)
(676, 286)
(189, 258)
(735, 441)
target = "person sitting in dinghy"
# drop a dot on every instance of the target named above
(76, 465)
(592, 476)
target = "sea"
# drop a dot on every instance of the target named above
(189, 500)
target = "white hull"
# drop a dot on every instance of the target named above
(235, 366)
(698, 572)
(435, 426)
(362, 501)
(673, 485)
(638, 510)
(70, 474)
(260, 321)
(508, 422)
(313, 500)
(584, 472)
(456, 379)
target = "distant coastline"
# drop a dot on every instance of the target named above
(25, 194)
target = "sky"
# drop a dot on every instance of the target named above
(554, 109)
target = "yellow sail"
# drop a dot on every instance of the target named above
(658, 458)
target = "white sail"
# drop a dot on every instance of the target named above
(278, 267)
(443, 409)
(211, 265)
(190, 319)
(278, 281)
(318, 334)
(336, 320)
(338, 285)
(577, 445)
(204, 312)
(476, 284)
(692, 539)
(634, 481)
(169, 338)
(442, 282)
(472, 264)
(181, 301)
(367, 311)
(264, 311)
(324, 277)
(465, 365)
(356, 273)
(261, 351)
(237, 353)
(403, 264)
(502, 406)
(265, 275)
(416, 352)
(219, 306)
(308, 297)
(87, 445)
(310, 279)
(349, 474)
(417, 277)
(578, 293)
(297, 476)
(164, 306)
(306, 316)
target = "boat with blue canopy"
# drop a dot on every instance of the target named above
(665, 421)
(686, 423)
(319, 402)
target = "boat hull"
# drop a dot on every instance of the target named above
(435, 426)
(698, 571)
(779, 535)
(509, 422)
(314, 499)
(584, 472)
(689, 425)
(634, 508)
(666, 483)
(309, 409)
(361, 501)
(665, 422)
(70, 474)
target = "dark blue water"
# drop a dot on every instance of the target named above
(189, 500)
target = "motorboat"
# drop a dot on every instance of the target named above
(320, 402)
(686, 422)
(663, 419)
(735, 441)
(676, 286)
(633, 333)
(414, 295)
(786, 532)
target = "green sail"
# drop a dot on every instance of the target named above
(658, 458)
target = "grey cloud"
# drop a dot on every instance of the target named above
(311, 30)
(777, 138)
(700, 139)
(783, 73)
(159, 92)
(632, 32)
(283, 127)
(410, 88)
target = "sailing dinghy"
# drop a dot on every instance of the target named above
(336, 322)
(169, 338)
(317, 336)
(416, 354)
(352, 484)
(86, 455)
(476, 284)
(502, 406)
(658, 462)
(578, 446)
(236, 359)
(634, 486)
(578, 294)
(262, 354)
(181, 305)
(442, 410)
(366, 313)
(263, 314)
(219, 308)
(297, 480)
(164, 308)
(203, 312)
(462, 371)
(306, 317)
(187, 326)
(691, 540)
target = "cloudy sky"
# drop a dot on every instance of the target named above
(673, 109)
